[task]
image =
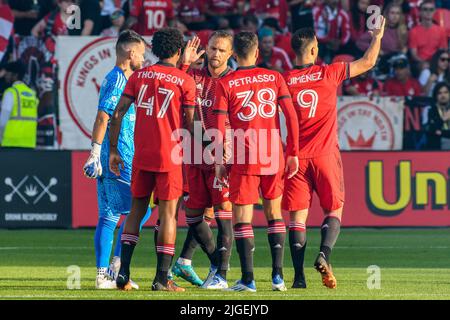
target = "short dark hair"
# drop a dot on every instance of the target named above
(244, 42)
(126, 37)
(166, 42)
(301, 39)
(250, 18)
(16, 67)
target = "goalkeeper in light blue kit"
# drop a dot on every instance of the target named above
(114, 194)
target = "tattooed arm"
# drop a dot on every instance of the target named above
(116, 122)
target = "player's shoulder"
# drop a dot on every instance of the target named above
(114, 79)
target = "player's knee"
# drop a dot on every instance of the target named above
(224, 206)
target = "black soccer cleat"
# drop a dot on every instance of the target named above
(299, 283)
(123, 282)
(171, 286)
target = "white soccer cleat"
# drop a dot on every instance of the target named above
(278, 284)
(105, 283)
(210, 277)
(134, 285)
(218, 283)
(240, 286)
(114, 267)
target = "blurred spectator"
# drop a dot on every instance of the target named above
(19, 110)
(6, 27)
(438, 122)
(117, 21)
(282, 39)
(402, 84)
(426, 38)
(192, 14)
(250, 23)
(439, 71)
(332, 26)
(363, 85)
(410, 10)
(395, 35)
(224, 14)
(54, 23)
(108, 7)
(91, 20)
(271, 57)
(277, 9)
(358, 18)
(28, 12)
(147, 16)
(301, 14)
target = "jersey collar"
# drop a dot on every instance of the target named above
(246, 68)
(162, 63)
(304, 66)
(228, 69)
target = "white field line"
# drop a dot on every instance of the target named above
(336, 248)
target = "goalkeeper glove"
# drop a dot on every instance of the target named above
(93, 167)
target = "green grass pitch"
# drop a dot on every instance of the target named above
(414, 264)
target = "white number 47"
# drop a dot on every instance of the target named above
(149, 104)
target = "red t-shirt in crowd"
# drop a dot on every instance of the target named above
(59, 27)
(250, 97)
(192, 9)
(314, 92)
(411, 87)
(283, 41)
(151, 15)
(160, 93)
(277, 9)
(221, 7)
(365, 87)
(279, 58)
(427, 40)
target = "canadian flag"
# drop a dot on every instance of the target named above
(6, 27)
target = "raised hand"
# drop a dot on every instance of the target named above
(190, 54)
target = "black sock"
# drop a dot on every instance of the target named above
(129, 242)
(245, 244)
(224, 240)
(155, 234)
(276, 233)
(164, 253)
(297, 243)
(189, 246)
(330, 229)
(204, 236)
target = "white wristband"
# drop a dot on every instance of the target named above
(96, 149)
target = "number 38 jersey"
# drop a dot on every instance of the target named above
(314, 93)
(250, 97)
(160, 93)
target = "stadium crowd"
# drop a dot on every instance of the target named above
(413, 61)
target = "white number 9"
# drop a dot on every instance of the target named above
(311, 104)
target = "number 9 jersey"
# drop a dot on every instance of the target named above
(313, 89)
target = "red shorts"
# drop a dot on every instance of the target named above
(321, 174)
(167, 185)
(206, 191)
(244, 189)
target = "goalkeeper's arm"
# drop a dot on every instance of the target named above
(93, 167)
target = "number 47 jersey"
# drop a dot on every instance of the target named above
(314, 93)
(160, 93)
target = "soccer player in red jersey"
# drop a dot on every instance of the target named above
(148, 16)
(313, 89)
(251, 98)
(204, 190)
(163, 95)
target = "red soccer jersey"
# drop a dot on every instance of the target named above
(277, 9)
(151, 15)
(410, 87)
(160, 92)
(206, 89)
(314, 93)
(250, 97)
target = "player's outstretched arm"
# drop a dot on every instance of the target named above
(116, 122)
(370, 57)
(93, 168)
